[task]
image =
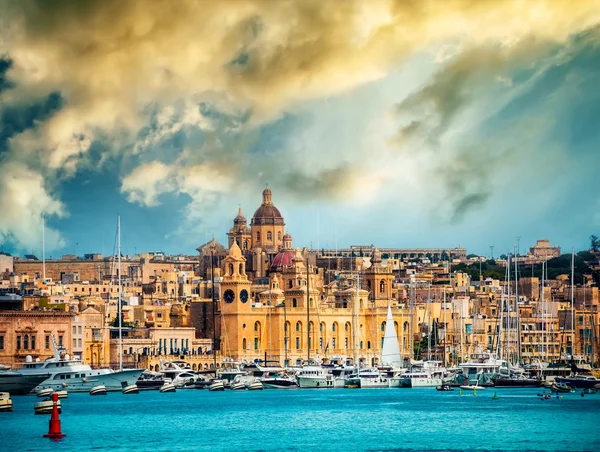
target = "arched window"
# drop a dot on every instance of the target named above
(258, 236)
(405, 326)
(382, 326)
(381, 286)
(333, 326)
(321, 327)
(244, 344)
(279, 235)
(290, 284)
(256, 326)
(369, 345)
(241, 269)
(298, 326)
(269, 236)
(347, 326)
(231, 269)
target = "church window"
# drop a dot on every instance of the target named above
(258, 236)
(269, 236)
(382, 286)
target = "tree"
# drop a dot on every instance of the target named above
(503, 256)
(594, 243)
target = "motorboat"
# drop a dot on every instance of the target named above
(427, 374)
(5, 402)
(479, 368)
(261, 368)
(237, 385)
(130, 389)
(560, 387)
(444, 387)
(62, 394)
(98, 390)
(315, 377)
(151, 381)
(15, 383)
(63, 373)
(368, 378)
(515, 381)
(279, 381)
(246, 382)
(579, 381)
(216, 385)
(45, 406)
(255, 385)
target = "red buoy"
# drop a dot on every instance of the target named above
(54, 427)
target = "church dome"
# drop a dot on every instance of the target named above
(267, 213)
(283, 259)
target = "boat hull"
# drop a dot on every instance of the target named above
(279, 384)
(578, 382)
(18, 384)
(516, 383)
(315, 382)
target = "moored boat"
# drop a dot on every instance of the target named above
(130, 389)
(15, 383)
(45, 392)
(444, 387)
(167, 387)
(560, 387)
(217, 385)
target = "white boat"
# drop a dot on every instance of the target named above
(167, 387)
(314, 377)
(98, 390)
(131, 389)
(45, 406)
(238, 385)
(16, 383)
(44, 392)
(260, 368)
(5, 402)
(279, 381)
(472, 387)
(72, 375)
(480, 367)
(390, 351)
(217, 385)
(428, 374)
(367, 378)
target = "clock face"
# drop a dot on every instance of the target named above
(229, 296)
(244, 295)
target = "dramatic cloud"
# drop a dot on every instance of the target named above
(183, 94)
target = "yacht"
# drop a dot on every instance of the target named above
(367, 378)
(151, 381)
(261, 368)
(315, 377)
(427, 374)
(480, 368)
(279, 381)
(63, 373)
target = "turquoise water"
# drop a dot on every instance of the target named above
(306, 420)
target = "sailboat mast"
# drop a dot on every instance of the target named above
(429, 321)
(44, 250)
(518, 319)
(307, 314)
(572, 302)
(355, 324)
(119, 305)
(508, 316)
(445, 328)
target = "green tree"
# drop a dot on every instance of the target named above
(594, 243)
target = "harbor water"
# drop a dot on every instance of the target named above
(307, 420)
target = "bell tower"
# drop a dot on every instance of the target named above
(240, 232)
(379, 278)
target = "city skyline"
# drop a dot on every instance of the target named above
(465, 133)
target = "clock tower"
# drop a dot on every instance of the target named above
(236, 303)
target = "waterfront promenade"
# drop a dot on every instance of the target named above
(307, 420)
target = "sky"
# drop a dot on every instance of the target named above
(396, 123)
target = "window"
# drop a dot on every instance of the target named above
(333, 342)
(297, 326)
(79, 329)
(294, 302)
(297, 343)
(346, 342)
(74, 329)
(1, 342)
(321, 343)
(74, 343)
(256, 325)
(382, 326)
(60, 341)
(18, 342)
(279, 235)
(32, 342)
(347, 326)
(47, 342)
(258, 236)
(26, 342)
(269, 236)
(369, 344)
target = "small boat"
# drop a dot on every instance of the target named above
(47, 392)
(167, 387)
(472, 387)
(45, 406)
(444, 387)
(62, 394)
(5, 402)
(98, 390)
(130, 389)
(216, 385)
